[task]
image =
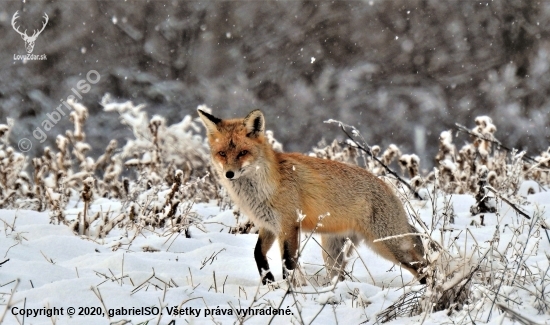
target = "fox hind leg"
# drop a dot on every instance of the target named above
(335, 259)
(407, 251)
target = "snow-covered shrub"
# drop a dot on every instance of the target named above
(14, 181)
(156, 145)
(345, 153)
(171, 164)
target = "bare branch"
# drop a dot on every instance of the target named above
(366, 148)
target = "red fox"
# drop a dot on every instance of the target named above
(271, 187)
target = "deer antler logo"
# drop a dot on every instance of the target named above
(29, 40)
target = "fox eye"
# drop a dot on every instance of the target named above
(243, 153)
(221, 153)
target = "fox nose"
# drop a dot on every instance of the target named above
(229, 174)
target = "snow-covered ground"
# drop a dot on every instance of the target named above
(213, 274)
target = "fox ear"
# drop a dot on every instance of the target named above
(254, 123)
(210, 121)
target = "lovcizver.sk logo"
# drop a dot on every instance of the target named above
(29, 40)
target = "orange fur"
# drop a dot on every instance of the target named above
(272, 187)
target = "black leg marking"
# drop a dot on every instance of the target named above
(262, 264)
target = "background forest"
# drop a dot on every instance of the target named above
(394, 69)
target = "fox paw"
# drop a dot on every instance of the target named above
(268, 278)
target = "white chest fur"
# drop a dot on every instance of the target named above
(253, 194)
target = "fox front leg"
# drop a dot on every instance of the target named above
(264, 243)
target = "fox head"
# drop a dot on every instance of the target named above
(238, 146)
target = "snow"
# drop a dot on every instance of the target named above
(214, 272)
